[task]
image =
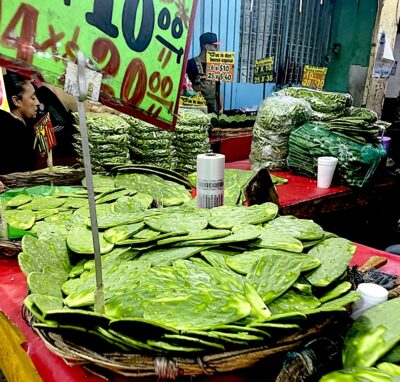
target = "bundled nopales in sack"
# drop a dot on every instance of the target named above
(276, 118)
(108, 139)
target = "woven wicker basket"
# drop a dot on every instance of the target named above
(10, 248)
(217, 132)
(60, 176)
(140, 365)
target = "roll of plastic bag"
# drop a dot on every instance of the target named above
(210, 180)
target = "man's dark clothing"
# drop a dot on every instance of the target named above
(196, 72)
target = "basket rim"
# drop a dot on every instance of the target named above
(145, 365)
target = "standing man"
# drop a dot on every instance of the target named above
(196, 71)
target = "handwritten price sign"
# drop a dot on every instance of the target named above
(220, 66)
(314, 77)
(197, 101)
(264, 70)
(140, 47)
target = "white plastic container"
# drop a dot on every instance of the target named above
(326, 169)
(371, 295)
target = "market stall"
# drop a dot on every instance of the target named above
(28, 210)
(132, 194)
(173, 290)
(19, 340)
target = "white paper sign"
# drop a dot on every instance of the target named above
(384, 59)
(93, 82)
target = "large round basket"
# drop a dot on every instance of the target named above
(78, 350)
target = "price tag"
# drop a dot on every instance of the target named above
(45, 139)
(93, 82)
(264, 70)
(314, 77)
(220, 66)
(197, 100)
(140, 47)
(3, 95)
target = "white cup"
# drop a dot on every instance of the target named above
(326, 169)
(371, 295)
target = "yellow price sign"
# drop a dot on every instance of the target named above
(197, 100)
(220, 66)
(264, 70)
(314, 77)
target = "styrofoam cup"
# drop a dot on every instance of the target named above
(371, 295)
(326, 169)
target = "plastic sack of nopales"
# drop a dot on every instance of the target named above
(276, 118)
(335, 111)
(325, 103)
(190, 139)
(149, 144)
(108, 139)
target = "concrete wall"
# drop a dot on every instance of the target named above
(387, 19)
(352, 28)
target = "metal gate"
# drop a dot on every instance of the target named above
(295, 32)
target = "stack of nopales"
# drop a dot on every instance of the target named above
(356, 162)
(190, 139)
(371, 350)
(149, 144)
(325, 105)
(360, 125)
(177, 280)
(276, 118)
(334, 111)
(108, 140)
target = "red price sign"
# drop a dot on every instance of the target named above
(44, 134)
(314, 77)
(139, 46)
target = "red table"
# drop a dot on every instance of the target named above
(301, 197)
(236, 148)
(298, 189)
(50, 367)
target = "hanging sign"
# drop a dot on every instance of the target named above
(3, 95)
(220, 66)
(139, 46)
(264, 70)
(384, 59)
(45, 139)
(314, 77)
(93, 81)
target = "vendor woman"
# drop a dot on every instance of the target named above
(16, 134)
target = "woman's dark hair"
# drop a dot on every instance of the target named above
(14, 84)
